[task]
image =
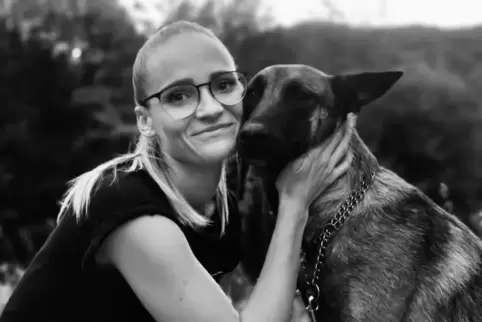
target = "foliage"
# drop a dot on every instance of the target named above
(53, 122)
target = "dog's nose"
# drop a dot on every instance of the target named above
(252, 130)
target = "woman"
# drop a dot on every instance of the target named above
(137, 239)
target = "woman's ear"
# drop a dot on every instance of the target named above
(144, 121)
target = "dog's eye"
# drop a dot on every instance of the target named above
(295, 91)
(252, 93)
(256, 88)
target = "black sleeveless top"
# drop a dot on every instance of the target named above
(63, 283)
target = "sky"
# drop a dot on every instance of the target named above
(440, 13)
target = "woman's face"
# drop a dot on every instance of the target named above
(191, 58)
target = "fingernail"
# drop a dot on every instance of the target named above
(351, 119)
(300, 167)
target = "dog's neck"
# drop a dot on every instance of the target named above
(327, 203)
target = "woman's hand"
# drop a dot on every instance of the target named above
(299, 311)
(308, 176)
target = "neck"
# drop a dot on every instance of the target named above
(197, 183)
(327, 204)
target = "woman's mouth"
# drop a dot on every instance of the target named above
(214, 129)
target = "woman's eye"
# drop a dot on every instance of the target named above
(225, 85)
(179, 95)
(176, 97)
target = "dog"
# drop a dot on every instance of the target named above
(389, 253)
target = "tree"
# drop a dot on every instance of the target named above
(50, 132)
(426, 130)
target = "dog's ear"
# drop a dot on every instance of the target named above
(354, 91)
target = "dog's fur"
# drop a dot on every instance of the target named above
(398, 257)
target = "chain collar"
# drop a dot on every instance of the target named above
(312, 292)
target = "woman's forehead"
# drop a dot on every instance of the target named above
(187, 56)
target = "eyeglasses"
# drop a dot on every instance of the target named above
(181, 101)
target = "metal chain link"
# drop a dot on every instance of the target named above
(313, 292)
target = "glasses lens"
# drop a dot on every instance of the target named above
(180, 101)
(229, 88)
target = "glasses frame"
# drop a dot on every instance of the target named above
(197, 87)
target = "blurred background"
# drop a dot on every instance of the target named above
(67, 104)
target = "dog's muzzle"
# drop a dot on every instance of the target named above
(254, 141)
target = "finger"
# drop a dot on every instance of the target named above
(299, 313)
(345, 142)
(342, 135)
(344, 155)
(300, 163)
(323, 153)
(343, 167)
(332, 142)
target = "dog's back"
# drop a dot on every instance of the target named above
(402, 258)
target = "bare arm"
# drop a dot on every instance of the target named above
(272, 296)
(154, 257)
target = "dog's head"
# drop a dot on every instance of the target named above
(290, 108)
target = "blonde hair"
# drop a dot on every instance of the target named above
(147, 154)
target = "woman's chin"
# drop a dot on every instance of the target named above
(217, 151)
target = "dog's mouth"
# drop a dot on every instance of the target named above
(257, 162)
(264, 149)
(264, 153)
(255, 150)
(252, 142)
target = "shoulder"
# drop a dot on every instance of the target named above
(154, 257)
(148, 241)
(118, 199)
(158, 235)
(118, 194)
(125, 186)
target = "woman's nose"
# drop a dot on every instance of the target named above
(208, 105)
